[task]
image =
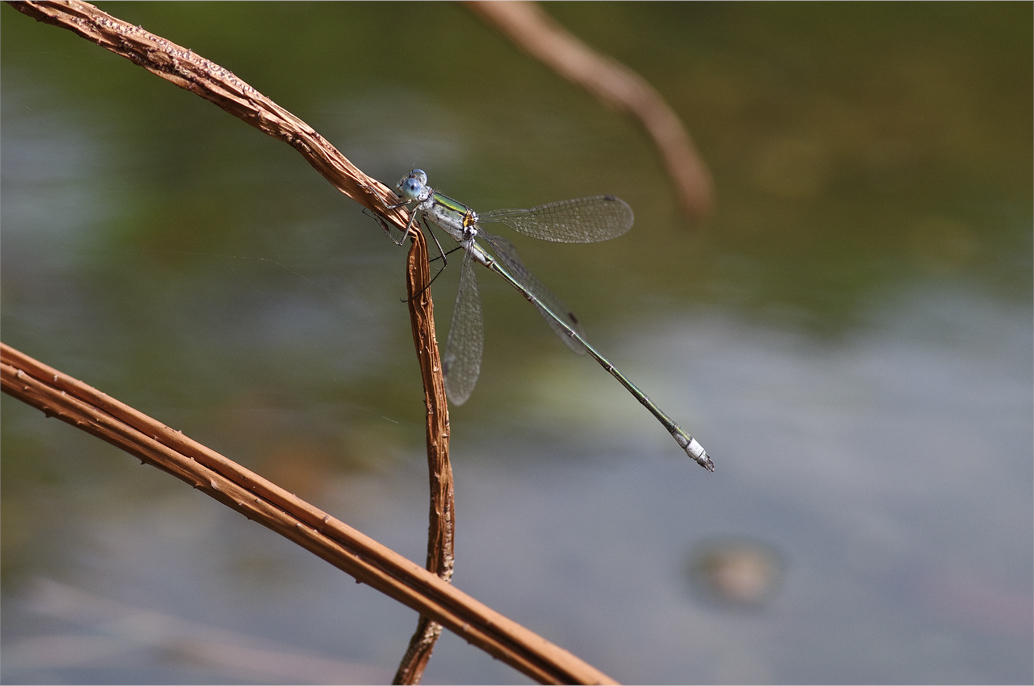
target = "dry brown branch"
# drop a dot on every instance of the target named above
(240, 488)
(614, 84)
(443, 506)
(207, 79)
(74, 402)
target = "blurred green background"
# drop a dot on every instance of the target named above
(849, 334)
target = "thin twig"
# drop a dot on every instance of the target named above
(614, 84)
(74, 402)
(442, 513)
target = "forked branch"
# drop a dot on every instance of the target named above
(82, 406)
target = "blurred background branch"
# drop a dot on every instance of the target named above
(614, 84)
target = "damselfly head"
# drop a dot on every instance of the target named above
(413, 186)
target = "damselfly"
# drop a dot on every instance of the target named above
(584, 220)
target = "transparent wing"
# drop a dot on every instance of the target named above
(461, 362)
(507, 254)
(583, 220)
